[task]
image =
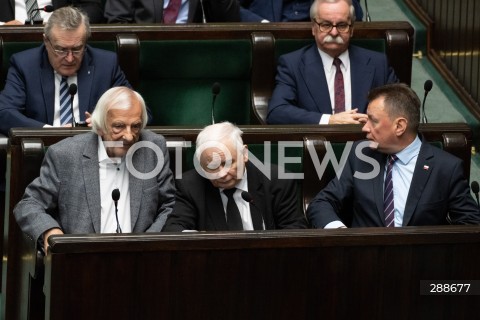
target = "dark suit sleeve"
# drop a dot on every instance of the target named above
(247, 15)
(329, 203)
(35, 212)
(165, 187)
(13, 99)
(462, 209)
(93, 8)
(120, 11)
(284, 105)
(222, 10)
(184, 215)
(285, 208)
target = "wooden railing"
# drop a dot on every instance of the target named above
(454, 44)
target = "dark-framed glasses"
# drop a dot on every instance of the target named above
(62, 53)
(324, 26)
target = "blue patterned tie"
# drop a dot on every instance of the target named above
(31, 5)
(65, 110)
(388, 203)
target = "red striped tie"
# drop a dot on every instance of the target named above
(339, 88)
(170, 13)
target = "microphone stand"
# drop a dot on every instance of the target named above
(424, 117)
(367, 14)
(119, 230)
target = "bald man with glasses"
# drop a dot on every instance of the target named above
(36, 90)
(328, 82)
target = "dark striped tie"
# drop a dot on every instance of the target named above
(65, 110)
(31, 5)
(388, 203)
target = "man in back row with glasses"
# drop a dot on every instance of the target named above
(37, 89)
(328, 82)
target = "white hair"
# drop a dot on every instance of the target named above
(220, 132)
(116, 98)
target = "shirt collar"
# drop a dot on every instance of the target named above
(410, 152)
(327, 60)
(102, 153)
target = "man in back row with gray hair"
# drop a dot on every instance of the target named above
(328, 82)
(36, 89)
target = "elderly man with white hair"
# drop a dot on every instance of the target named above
(227, 192)
(114, 179)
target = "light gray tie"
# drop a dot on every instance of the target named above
(31, 5)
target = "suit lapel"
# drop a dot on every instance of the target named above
(257, 207)
(84, 79)
(423, 168)
(91, 180)
(158, 11)
(378, 183)
(314, 78)
(48, 87)
(361, 75)
(136, 184)
(214, 207)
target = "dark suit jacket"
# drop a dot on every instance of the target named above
(438, 189)
(198, 205)
(66, 195)
(29, 94)
(301, 92)
(93, 8)
(271, 10)
(151, 11)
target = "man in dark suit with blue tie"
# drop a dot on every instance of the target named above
(307, 79)
(395, 178)
(31, 94)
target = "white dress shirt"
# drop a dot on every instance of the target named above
(113, 175)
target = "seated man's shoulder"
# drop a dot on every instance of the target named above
(26, 56)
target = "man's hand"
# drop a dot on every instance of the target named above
(13, 23)
(47, 234)
(348, 117)
(88, 118)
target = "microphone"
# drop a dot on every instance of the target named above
(247, 197)
(48, 8)
(367, 14)
(204, 20)
(72, 91)
(475, 189)
(115, 197)
(427, 86)
(215, 93)
(258, 221)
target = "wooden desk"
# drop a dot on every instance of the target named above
(372, 273)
